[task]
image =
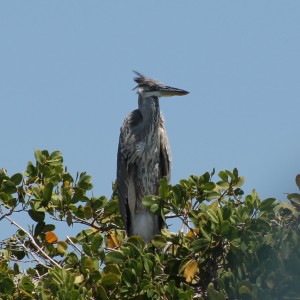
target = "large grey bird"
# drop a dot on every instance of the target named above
(143, 157)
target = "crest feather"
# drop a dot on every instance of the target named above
(143, 81)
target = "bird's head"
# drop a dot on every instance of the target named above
(147, 87)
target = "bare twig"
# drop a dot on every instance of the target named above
(74, 246)
(33, 255)
(92, 224)
(170, 216)
(43, 254)
(6, 214)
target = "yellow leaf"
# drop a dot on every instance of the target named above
(79, 279)
(193, 232)
(51, 237)
(190, 233)
(112, 241)
(196, 230)
(214, 205)
(62, 247)
(190, 270)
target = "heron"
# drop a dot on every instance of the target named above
(144, 157)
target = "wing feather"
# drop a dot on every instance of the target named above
(122, 183)
(165, 158)
(126, 170)
(165, 151)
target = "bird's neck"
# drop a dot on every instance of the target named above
(149, 108)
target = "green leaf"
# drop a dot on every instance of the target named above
(267, 204)
(115, 257)
(84, 181)
(88, 265)
(209, 186)
(225, 228)
(212, 195)
(130, 250)
(226, 212)
(235, 172)
(220, 283)
(7, 286)
(84, 234)
(270, 280)
(19, 254)
(199, 245)
(16, 178)
(98, 202)
(231, 175)
(62, 247)
(111, 268)
(69, 219)
(136, 241)
(164, 188)
(48, 191)
(215, 295)
(295, 199)
(55, 158)
(39, 157)
(101, 292)
(111, 207)
(177, 193)
(205, 234)
(88, 213)
(63, 278)
(110, 279)
(213, 216)
(8, 187)
(223, 184)
(31, 171)
(96, 242)
(243, 290)
(148, 201)
(154, 208)
(39, 228)
(159, 241)
(240, 181)
(78, 195)
(36, 216)
(214, 206)
(148, 263)
(223, 175)
(26, 284)
(49, 227)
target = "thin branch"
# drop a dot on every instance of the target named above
(74, 246)
(33, 242)
(33, 255)
(170, 216)
(78, 220)
(6, 214)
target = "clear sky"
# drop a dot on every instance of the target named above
(66, 84)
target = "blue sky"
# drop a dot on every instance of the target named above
(66, 84)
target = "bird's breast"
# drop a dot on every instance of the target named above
(148, 166)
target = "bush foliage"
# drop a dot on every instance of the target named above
(230, 246)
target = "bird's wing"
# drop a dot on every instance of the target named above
(165, 151)
(126, 168)
(122, 183)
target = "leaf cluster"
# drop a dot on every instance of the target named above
(230, 246)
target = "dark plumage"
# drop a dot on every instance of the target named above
(143, 157)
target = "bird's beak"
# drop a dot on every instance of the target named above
(168, 91)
